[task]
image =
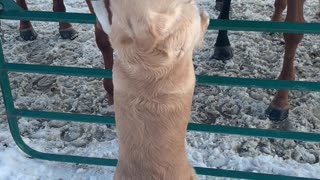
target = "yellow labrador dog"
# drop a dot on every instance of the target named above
(154, 80)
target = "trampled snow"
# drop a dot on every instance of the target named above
(256, 55)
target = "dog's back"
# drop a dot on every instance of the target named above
(153, 85)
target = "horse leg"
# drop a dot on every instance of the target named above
(279, 7)
(279, 107)
(26, 30)
(104, 45)
(318, 13)
(219, 4)
(66, 31)
(222, 48)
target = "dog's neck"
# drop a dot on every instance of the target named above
(155, 62)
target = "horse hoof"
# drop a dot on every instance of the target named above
(276, 114)
(68, 33)
(108, 86)
(222, 53)
(110, 99)
(219, 5)
(28, 34)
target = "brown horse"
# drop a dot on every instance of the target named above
(67, 32)
(279, 108)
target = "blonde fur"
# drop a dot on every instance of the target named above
(154, 81)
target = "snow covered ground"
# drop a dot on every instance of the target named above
(256, 56)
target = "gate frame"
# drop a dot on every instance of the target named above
(10, 10)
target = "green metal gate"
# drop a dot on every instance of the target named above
(10, 10)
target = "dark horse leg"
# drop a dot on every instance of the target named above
(318, 13)
(223, 50)
(28, 33)
(219, 4)
(279, 107)
(104, 45)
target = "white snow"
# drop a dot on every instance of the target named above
(256, 56)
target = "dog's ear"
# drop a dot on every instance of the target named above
(103, 13)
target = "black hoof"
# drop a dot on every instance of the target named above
(222, 53)
(69, 33)
(277, 114)
(28, 34)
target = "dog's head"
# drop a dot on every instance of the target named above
(167, 27)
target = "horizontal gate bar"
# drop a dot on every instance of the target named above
(208, 80)
(235, 25)
(83, 118)
(244, 175)
(58, 70)
(191, 126)
(112, 162)
(265, 26)
(49, 16)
